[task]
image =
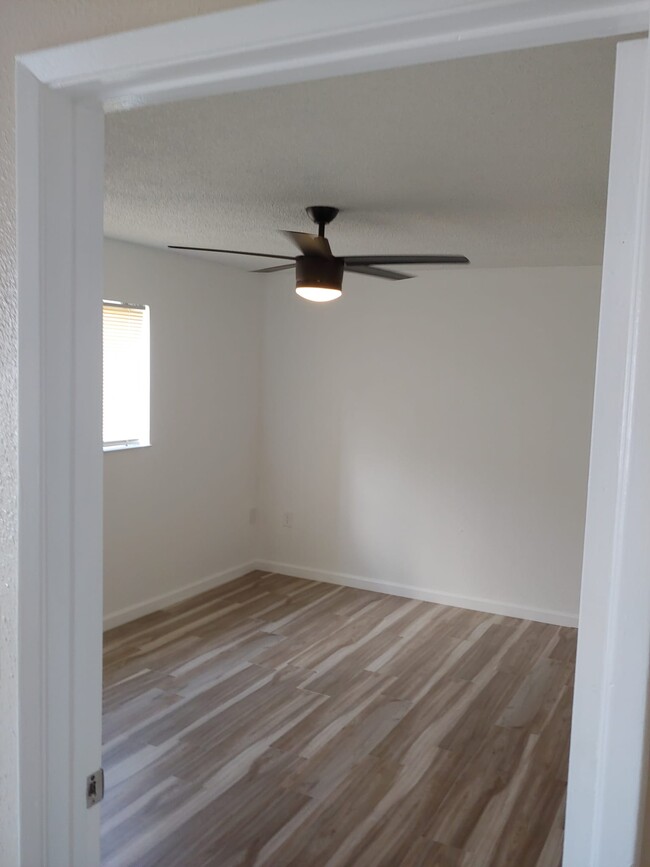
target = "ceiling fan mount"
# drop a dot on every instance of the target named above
(319, 273)
(322, 215)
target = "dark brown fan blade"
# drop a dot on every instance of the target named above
(236, 252)
(310, 245)
(407, 260)
(274, 268)
(376, 272)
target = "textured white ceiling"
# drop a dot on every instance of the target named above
(502, 158)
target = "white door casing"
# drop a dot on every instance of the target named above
(609, 716)
(60, 227)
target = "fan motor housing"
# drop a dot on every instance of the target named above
(321, 272)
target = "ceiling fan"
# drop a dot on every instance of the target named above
(319, 273)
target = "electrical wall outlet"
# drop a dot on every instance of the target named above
(287, 519)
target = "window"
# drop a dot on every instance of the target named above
(126, 375)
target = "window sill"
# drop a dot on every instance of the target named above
(126, 447)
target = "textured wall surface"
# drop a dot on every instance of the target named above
(28, 25)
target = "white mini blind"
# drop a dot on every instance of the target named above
(126, 375)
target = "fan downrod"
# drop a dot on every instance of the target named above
(322, 215)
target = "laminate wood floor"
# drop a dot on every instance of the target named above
(279, 721)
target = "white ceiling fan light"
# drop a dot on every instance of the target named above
(319, 294)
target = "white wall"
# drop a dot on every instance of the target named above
(428, 437)
(434, 434)
(178, 512)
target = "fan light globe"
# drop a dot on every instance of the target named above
(318, 293)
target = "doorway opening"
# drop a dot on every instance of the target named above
(356, 573)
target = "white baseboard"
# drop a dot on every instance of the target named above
(489, 606)
(155, 603)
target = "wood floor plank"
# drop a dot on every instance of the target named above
(535, 699)
(284, 722)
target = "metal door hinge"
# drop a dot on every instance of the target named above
(95, 788)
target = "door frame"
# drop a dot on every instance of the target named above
(62, 94)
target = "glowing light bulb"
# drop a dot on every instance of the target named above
(318, 293)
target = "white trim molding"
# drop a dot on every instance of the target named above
(60, 224)
(61, 95)
(411, 591)
(284, 41)
(164, 600)
(607, 766)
